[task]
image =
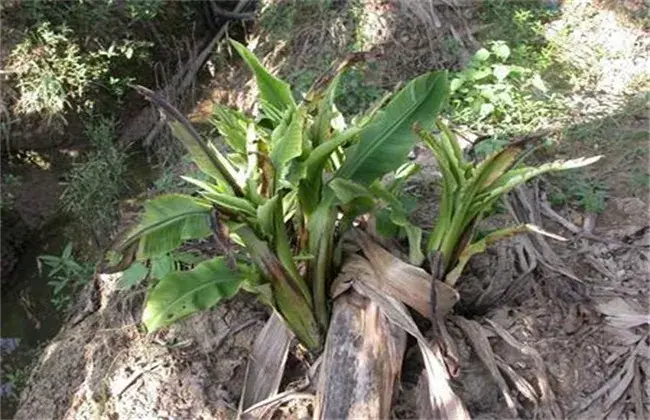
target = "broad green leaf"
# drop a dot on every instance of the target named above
(166, 222)
(387, 139)
(287, 140)
(162, 266)
(183, 293)
(384, 225)
(398, 216)
(133, 275)
(275, 94)
(310, 186)
(479, 74)
(346, 190)
(223, 200)
(481, 245)
(321, 153)
(232, 125)
(456, 84)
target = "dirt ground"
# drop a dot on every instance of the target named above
(570, 338)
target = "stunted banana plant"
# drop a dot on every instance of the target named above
(469, 192)
(275, 192)
(283, 190)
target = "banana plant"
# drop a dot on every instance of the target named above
(469, 192)
(282, 188)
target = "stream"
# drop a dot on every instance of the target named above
(29, 319)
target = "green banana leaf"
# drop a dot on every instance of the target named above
(232, 125)
(167, 221)
(287, 140)
(207, 158)
(275, 94)
(183, 293)
(387, 139)
(481, 245)
(221, 199)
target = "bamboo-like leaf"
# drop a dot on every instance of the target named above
(493, 167)
(482, 244)
(387, 139)
(222, 199)
(232, 125)
(452, 181)
(183, 293)
(284, 252)
(518, 176)
(275, 94)
(452, 145)
(166, 222)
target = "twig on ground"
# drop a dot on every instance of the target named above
(134, 377)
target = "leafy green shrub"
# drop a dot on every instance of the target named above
(521, 25)
(66, 276)
(51, 70)
(92, 187)
(491, 91)
(54, 73)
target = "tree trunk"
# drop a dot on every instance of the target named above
(361, 362)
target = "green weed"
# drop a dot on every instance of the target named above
(589, 193)
(66, 275)
(492, 94)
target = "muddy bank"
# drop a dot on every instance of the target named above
(101, 365)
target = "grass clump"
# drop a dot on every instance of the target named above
(93, 186)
